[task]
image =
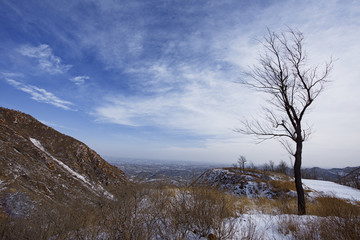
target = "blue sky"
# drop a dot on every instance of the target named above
(157, 79)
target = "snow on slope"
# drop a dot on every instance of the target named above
(72, 172)
(331, 188)
(38, 145)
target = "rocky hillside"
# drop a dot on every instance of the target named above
(248, 182)
(42, 167)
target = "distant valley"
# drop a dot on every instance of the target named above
(183, 172)
(161, 171)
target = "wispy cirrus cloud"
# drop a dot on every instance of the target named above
(10, 74)
(204, 104)
(41, 95)
(79, 80)
(46, 59)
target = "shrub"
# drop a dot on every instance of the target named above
(203, 211)
(337, 219)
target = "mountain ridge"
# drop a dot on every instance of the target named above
(41, 166)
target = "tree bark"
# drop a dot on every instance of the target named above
(297, 174)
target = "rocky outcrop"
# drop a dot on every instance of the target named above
(247, 183)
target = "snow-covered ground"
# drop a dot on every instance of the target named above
(264, 226)
(332, 189)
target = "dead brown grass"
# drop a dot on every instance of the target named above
(282, 186)
(167, 212)
(202, 210)
(336, 219)
(266, 206)
(299, 229)
(325, 206)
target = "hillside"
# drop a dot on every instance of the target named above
(255, 183)
(248, 182)
(42, 168)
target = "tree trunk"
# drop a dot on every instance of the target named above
(297, 174)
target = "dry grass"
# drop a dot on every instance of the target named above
(140, 212)
(341, 217)
(282, 186)
(300, 229)
(268, 206)
(164, 212)
(336, 219)
(325, 206)
(202, 210)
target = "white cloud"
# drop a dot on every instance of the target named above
(116, 44)
(46, 59)
(203, 104)
(41, 95)
(11, 75)
(79, 80)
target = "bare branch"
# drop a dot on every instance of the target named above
(283, 74)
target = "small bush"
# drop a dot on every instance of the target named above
(203, 211)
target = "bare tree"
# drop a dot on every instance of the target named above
(284, 74)
(272, 165)
(241, 162)
(282, 167)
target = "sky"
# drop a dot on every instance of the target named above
(160, 79)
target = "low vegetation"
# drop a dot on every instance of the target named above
(154, 211)
(139, 212)
(338, 219)
(163, 212)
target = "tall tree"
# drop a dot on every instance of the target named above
(284, 74)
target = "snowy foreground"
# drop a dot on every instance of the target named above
(264, 226)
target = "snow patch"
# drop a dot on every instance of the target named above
(2, 187)
(75, 174)
(72, 172)
(331, 188)
(264, 226)
(37, 144)
(16, 150)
